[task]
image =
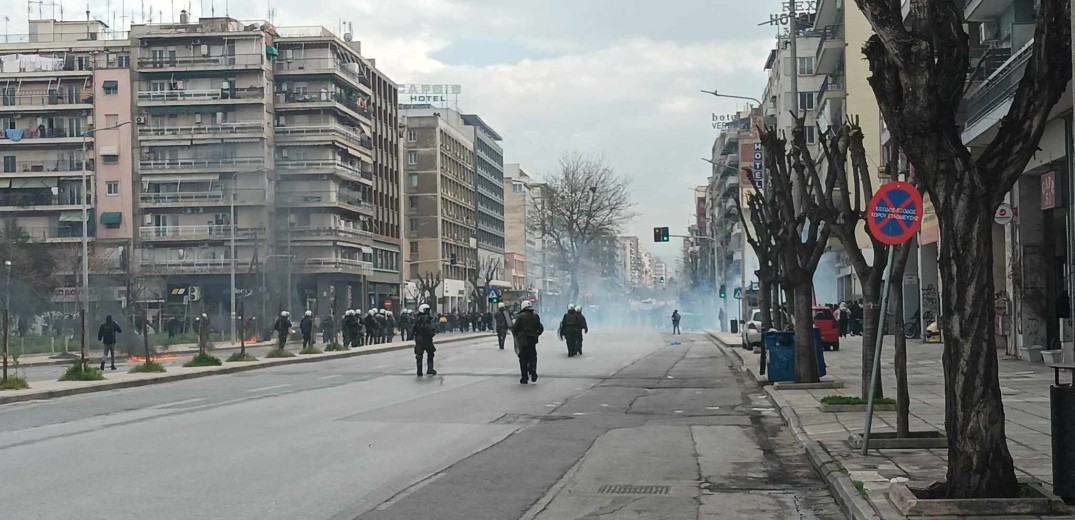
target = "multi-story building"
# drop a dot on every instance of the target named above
(543, 268)
(65, 112)
(387, 222)
(488, 194)
(440, 209)
(518, 240)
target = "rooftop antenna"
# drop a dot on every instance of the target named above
(171, 7)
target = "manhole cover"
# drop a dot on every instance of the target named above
(627, 489)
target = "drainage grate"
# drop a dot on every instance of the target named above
(627, 489)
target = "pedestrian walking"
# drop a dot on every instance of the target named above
(570, 330)
(423, 333)
(503, 323)
(107, 334)
(306, 327)
(675, 322)
(526, 330)
(282, 328)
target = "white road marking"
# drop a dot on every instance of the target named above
(177, 403)
(406, 493)
(331, 376)
(578, 413)
(712, 408)
(273, 387)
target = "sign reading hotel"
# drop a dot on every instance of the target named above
(442, 96)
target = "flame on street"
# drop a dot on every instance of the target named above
(139, 359)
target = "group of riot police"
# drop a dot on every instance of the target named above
(379, 326)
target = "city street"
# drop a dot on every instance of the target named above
(638, 427)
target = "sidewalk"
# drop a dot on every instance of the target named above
(1025, 387)
(115, 380)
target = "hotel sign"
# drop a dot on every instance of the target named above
(411, 94)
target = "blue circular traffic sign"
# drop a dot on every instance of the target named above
(895, 213)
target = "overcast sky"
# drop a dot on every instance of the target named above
(616, 78)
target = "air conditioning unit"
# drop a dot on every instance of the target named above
(197, 119)
(147, 220)
(89, 120)
(987, 32)
(205, 50)
(283, 153)
(140, 120)
(179, 85)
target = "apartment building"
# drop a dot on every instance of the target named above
(488, 193)
(519, 240)
(65, 112)
(440, 207)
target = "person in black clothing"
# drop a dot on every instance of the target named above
(390, 326)
(423, 333)
(675, 322)
(107, 335)
(526, 329)
(404, 323)
(571, 326)
(328, 330)
(306, 327)
(282, 328)
(503, 322)
(371, 327)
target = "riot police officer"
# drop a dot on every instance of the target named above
(423, 333)
(526, 329)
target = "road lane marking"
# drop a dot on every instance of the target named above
(331, 376)
(410, 490)
(273, 387)
(178, 403)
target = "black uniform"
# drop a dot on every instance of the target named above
(382, 327)
(107, 334)
(526, 329)
(282, 328)
(503, 323)
(328, 330)
(390, 327)
(306, 327)
(675, 322)
(423, 333)
(371, 328)
(571, 327)
(404, 323)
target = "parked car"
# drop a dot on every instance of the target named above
(751, 331)
(825, 321)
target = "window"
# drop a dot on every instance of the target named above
(412, 202)
(806, 100)
(806, 66)
(414, 249)
(518, 188)
(9, 163)
(412, 158)
(123, 61)
(112, 188)
(412, 136)
(413, 179)
(111, 88)
(111, 120)
(414, 224)
(811, 135)
(110, 159)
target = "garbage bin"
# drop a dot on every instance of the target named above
(781, 349)
(1062, 402)
(734, 326)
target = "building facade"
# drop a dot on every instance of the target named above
(518, 239)
(488, 196)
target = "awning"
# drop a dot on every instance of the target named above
(109, 150)
(271, 51)
(35, 182)
(70, 216)
(113, 218)
(5, 183)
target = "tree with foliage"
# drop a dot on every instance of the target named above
(919, 74)
(585, 200)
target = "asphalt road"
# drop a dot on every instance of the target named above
(363, 438)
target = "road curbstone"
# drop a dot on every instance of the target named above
(85, 387)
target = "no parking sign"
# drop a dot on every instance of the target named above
(895, 213)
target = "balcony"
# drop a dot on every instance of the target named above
(36, 168)
(983, 10)
(358, 107)
(352, 72)
(252, 129)
(335, 166)
(200, 96)
(830, 50)
(325, 199)
(317, 233)
(191, 265)
(200, 165)
(202, 198)
(40, 199)
(336, 265)
(42, 101)
(186, 64)
(832, 88)
(992, 99)
(322, 132)
(40, 136)
(198, 232)
(58, 234)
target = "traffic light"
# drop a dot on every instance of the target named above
(722, 291)
(452, 259)
(662, 279)
(660, 234)
(494, 300)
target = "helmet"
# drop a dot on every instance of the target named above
(384, 311)
(423, 307)
(348, 312)
(309, 313)
(571, 306)
(282, 313)
(576, 306)
(501, 306)
(372, 312)
(525, 305)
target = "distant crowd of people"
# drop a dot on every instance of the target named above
(848, 316)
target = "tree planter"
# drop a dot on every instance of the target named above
(1051, 357)
(1031, 353)
(842, 408)
(913, 500)
(925, 440)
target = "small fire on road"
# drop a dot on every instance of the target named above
(139, 359)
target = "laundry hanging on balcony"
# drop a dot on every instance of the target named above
(15, 134)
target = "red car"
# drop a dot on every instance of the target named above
(825, 321)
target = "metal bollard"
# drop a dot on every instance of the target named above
(1062, 404)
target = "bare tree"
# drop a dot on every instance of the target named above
(427, 288)
(481, 280)
(919, 72)
(586, 200)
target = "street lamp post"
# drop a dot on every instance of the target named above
(7, 312)
(86, 239)
(234, 261)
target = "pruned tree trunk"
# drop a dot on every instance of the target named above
(979, 463)
(871, 327)
(903, 398)
(805, 354)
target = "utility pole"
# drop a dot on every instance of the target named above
(793, 48)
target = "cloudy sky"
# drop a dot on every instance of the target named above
(615, 78)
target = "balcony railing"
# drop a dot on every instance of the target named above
(40, 199)
(338, 263)
(353, 70)
(242, 196)
(52, 98)
(316, 232)
(357, 103)
(192, 164)
(56, 165)
(348, 133)
(201, 94)
(215, 129)
(58, 233)
(324, 197)
(999, 86)
(830, 32)
(196, 232)
(833, 83)
(230, 61)
(322, 164)
(19, 135)
(192, 264)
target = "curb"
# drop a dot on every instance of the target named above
(54, 362)
(854, 505)
(223, 369)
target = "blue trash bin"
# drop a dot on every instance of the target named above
(781, 355)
